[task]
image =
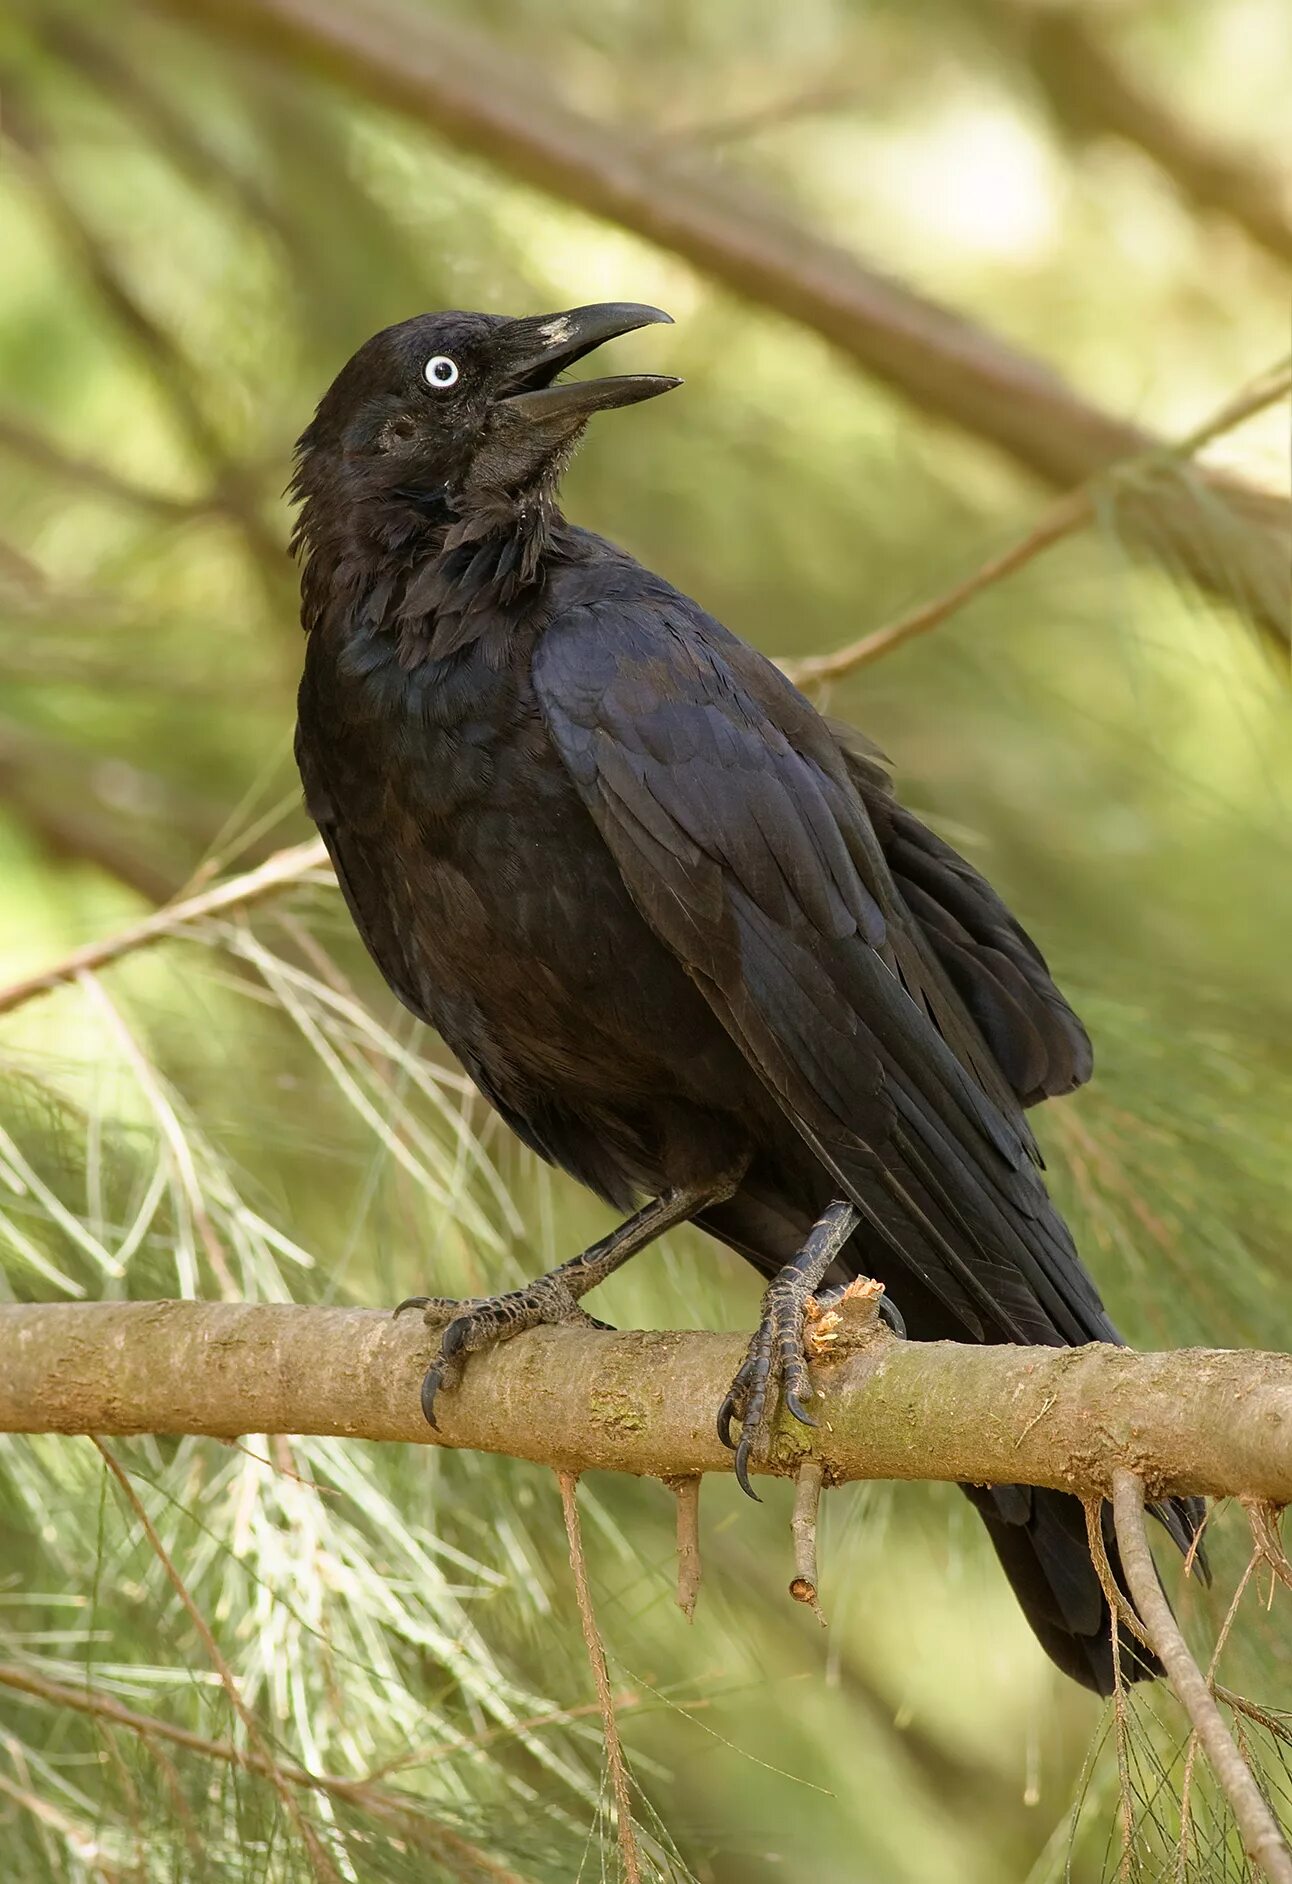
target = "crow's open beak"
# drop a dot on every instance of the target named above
(538, 348)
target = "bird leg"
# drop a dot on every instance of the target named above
(551, 1299)
(774, 1368)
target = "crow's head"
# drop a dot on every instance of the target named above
(470, 405)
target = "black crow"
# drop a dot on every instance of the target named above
(675, 924)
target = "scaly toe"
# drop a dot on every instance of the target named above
(475, 1323)
(773, 1373)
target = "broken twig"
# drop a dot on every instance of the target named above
(689, 1566)
(807, 1501)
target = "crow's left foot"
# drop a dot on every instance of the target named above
(554, 1298)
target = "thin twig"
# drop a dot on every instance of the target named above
(1118, 1608)
(1063, 517)
(690, 1567)
(1264, 392)
(619, 1780)
(1251, 1710)
(823, 98)
(1262, 1840)
(362, 1793)
(1125, 1790)
(490, 1736)
(321, 1863)
(1264, 1520)
(1060, 520)
(279, 872)
(807, 1500)
(1114, 1595)
(150, 1084)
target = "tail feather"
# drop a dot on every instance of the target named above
(1040, 1538)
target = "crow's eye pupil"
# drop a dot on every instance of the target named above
(440, 371)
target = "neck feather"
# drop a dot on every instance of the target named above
(417, 566)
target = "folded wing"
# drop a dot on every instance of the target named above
(746, 844)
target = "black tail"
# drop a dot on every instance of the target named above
(1040, 1538)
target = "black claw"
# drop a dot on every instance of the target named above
(890, 1313)
(430, 1387)
(742, 1471)
(455, 1334)
(726, 1413)
(794, 1406)
(413, 1301)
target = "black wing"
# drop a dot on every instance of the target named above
(1000, 977)
(747, 848)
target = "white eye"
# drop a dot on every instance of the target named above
(440, 372)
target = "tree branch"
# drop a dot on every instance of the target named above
(1093, 95)
(158, 352)
(159, 116)
(473, 92)
(25, 441)
(1211, 1422)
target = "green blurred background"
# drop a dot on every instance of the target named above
(197, 227)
